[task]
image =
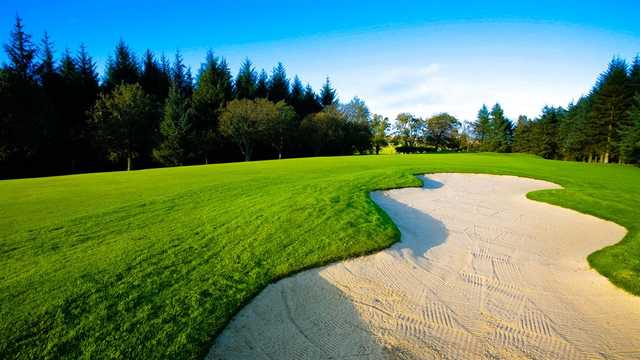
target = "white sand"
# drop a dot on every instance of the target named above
(481, 272)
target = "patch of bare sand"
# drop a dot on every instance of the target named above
(480, 272)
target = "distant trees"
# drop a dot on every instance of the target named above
(122, 119)
(327, 94)
(441, 130)
(175, 130)
(250, 122)
(433, 134)
(601, 126)
(379, 127)
(57, 117)
(482, 127)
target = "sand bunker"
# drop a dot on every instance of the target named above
(481, 272)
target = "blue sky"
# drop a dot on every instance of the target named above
(417, 56)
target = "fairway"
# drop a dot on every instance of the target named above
(154, 263)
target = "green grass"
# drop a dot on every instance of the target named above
(153, 263)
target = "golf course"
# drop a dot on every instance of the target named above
(155, 263)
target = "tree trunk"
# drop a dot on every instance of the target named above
(206, 159)
(128, 162)
(247, 153)
(279, 154)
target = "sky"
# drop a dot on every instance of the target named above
(421, 57)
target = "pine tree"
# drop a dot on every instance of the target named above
(278, 84)
(21, 116)
(310, 103)
(47, 68)
(522, 135)
(54, 126)
(174, 129)
(482, 127)
(548, 128)
(611, 100)
(630, 134)
(213, 90)
(153, 80)
(262, 86)
(21, 53)
(634, 76)
(122, 68)
(328, 94)
(296, 96)
(501, 136)
(246, 81)
(181, 76)
(574, 143)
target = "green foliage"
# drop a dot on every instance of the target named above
(441, 130)
(246, 81)
(501, 131)
(598, 128)
(152, 264)
(212, 92)
(379, 127)
(409, 129)
(155, 79)
(262, 86)
(482, 127)
(328, 94)
(174, 130)
(630, 134)
(122, 120)
(21, 53)
(310, 102)
(325, 131)
(247, 122)
(21, 103)
(278, 84)
(122, 68)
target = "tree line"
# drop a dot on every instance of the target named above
(602, 126)
(58, 116)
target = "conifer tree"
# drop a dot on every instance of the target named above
(611, 100)
(310, 102)
(630, 134)
(122, 68)
(54, 125)
(482, 127)
(634, 76)
(246, 81)
(153, 80)
(501, 130)
(21, 53)
(262, 85)
(21, 114)
(296, 96)
(522, 136)
(181, 76)
(548, 131)
(328, 94)
(47, 67)
(174, 129)
(278, 84)
(213, 90)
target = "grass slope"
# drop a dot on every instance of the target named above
(153, 263)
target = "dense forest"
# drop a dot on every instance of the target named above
(59, 116)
